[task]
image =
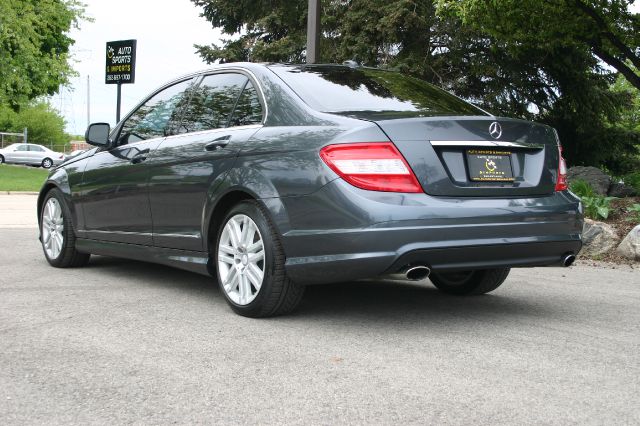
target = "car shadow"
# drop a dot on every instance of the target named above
(368, 300)
(153, 274)
(382, 299)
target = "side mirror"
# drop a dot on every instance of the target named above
(98, 134)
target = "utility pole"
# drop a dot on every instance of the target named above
(313, 31)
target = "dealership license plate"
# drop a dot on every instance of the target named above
(486, 165)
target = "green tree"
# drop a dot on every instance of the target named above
(630, 117)
(556, 78)
(44, 124)
(606, 28)
(34, 47)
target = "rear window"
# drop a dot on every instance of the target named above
(343, 90)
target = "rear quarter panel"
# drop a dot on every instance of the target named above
(284, 162)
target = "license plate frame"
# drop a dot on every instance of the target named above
(488, 165)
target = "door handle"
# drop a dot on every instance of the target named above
(140, 156)
(138, 159)
(220, 142)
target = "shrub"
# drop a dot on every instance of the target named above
(597, 207)
(582, 189)
(633, 180)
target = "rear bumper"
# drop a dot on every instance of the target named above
(342, 233)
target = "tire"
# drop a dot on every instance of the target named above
(47, 163)
(238, 265)
(1, 159)
(467, 283)
(57, 233)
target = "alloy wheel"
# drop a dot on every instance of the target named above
(47, 163)
(52, 228)
(241, 262)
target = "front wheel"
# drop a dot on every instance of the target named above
(1, 159)
(250, 264)
(57, 234)
(47, 163)
(469, 282)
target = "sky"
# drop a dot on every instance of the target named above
(166, 32)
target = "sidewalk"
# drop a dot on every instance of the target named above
(18, 211)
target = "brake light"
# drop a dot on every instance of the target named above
(374, 166)
(561, 183)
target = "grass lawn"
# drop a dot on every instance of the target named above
(21, 178)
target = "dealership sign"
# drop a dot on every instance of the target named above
(121, 62)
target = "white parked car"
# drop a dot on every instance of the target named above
(31, 154)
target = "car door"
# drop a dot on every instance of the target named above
(19, 154)
(115, 199)
(223, 112)
(36, 154)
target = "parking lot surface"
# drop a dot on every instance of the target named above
(128, 342)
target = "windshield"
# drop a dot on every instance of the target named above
(342, 89)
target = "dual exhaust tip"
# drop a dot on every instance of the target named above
(417, 273)
(420, 272)
(412, 273)
(568, 259)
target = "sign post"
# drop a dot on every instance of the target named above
(121, 66)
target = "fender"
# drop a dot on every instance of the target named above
(252, 184)
(59, 179)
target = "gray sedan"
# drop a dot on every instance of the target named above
(31, 154)
(273, 177)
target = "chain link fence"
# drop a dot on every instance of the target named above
(7, 138)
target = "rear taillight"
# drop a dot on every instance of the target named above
(561, 183)
(374, 166)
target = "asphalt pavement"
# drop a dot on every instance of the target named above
(122, 342)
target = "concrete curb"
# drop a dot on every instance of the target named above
(18, 193)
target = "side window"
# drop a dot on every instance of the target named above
(35, 148)
(155, 118)
(211, 103)
(22, 148)
(248, 109)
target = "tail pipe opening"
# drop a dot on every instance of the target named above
(568, 259)
(411, 273)
(417, 273)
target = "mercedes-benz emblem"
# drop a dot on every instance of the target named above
(495, 130)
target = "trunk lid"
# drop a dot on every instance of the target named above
(452, 156)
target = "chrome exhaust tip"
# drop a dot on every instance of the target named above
(417, 273)
(568, 260)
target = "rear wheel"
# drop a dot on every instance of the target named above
(469, 282)
(1, 159)
(47, 163)
(57, 234)
(250, 264)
